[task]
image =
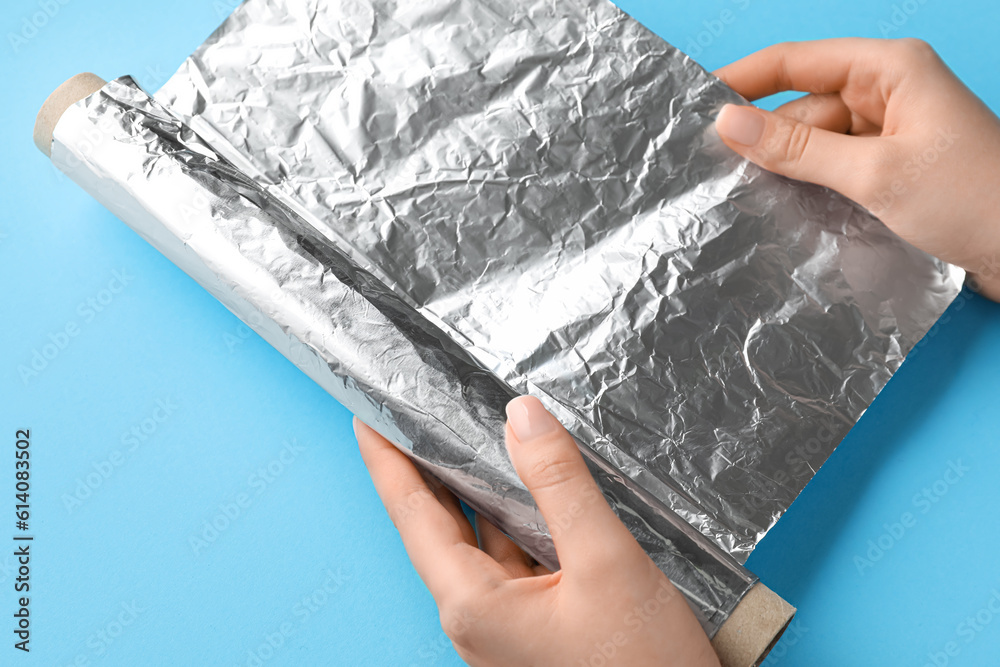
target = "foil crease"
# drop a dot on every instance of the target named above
(355, 337)
(432, 207)
(541, 181)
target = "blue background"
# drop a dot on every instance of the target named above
(233, 403)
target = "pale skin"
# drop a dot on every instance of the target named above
(885, 123)
(608, 604)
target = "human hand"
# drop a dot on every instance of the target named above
(923, 153)
(608, 605)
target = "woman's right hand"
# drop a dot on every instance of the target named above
(888, 125)
(609, 605)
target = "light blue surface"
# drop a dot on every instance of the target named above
(234, 404)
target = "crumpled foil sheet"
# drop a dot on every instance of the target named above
(540, 178)
(430, 207)
(356, 338)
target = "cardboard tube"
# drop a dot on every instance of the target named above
(753, 628)
(69, 93)
(760, 618)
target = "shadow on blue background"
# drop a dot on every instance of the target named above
(197, 500)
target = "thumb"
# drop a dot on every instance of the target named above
(585, 530)
(794, 149)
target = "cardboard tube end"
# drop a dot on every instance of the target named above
(753, 628)
(69, 93)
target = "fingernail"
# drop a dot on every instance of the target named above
(529, 419)
(740, 124)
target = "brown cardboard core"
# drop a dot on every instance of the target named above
(69, 93)
(753, 628)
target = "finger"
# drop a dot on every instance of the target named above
(451, 503)
(585, 531)
(503, 550)
(823, 66)
(450, 565)
(828, 112)
(798, 150)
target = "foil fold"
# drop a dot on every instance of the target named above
(371, 351)
(542, 181)
(432, 207)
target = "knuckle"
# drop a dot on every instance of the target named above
(799, 135)
(550, 471)
(779, 56)
(915, 50)
(460, 614)
(788, 142)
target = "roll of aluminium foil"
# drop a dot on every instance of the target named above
(433, 207)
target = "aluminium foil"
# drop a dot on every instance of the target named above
(431, 207)
(541, 179)
(369, 349)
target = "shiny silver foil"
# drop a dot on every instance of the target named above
(356, 338)
(431, 207)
